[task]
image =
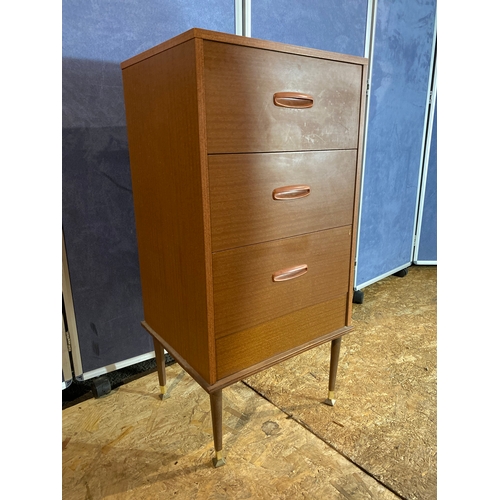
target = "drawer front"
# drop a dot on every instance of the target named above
(254, 345)
(258, 283)
(243, 113)
(261, 197)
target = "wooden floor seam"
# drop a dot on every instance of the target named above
(320, 437)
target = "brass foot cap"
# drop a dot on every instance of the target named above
(163, 393)
(218, 461)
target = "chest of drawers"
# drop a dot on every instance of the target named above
(245, 160)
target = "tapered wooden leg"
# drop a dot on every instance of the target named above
(334, 363)
(160, 365)
(216, 408)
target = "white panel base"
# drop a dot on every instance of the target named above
(378, 278)
(116, 366)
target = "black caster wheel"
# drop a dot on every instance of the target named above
(101, 386)
(358, 297)
(402, 273)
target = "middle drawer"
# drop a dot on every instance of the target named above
(266, 196)
(258, 283)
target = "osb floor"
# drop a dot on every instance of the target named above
(385, 416)
(131, 445)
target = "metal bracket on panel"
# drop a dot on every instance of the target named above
(68, 340)
(71, 331)
(414, 248)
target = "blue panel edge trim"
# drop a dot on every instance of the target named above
(382, 276)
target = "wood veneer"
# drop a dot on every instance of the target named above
(243, 210)
(165, 157)
(218, 125)
(253, 345)
(245, 295)
(242, 118)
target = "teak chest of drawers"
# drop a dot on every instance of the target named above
(245, 158)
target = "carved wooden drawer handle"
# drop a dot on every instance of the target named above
(293, 100)
(290, 273)
(291, 192)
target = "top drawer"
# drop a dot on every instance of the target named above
(241, 114)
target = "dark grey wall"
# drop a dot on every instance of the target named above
(98, 216)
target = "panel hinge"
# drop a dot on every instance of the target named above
(367, 88)
(430, 97)
(68, 341)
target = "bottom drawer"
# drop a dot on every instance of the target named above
(248, 347)
(246, 294)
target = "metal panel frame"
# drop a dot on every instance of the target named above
(67, 374)
(70, 314)
(243, 17)
(426, 154)
(117, 366)
(423, 188)
(370, 32)
(371, 18)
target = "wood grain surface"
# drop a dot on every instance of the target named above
(245, 295)
(161, 96)
(250, 346)
(244, 212)
(210, 234)
(203, 34)
(240, 83)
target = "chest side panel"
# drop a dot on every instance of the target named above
(164, 143)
